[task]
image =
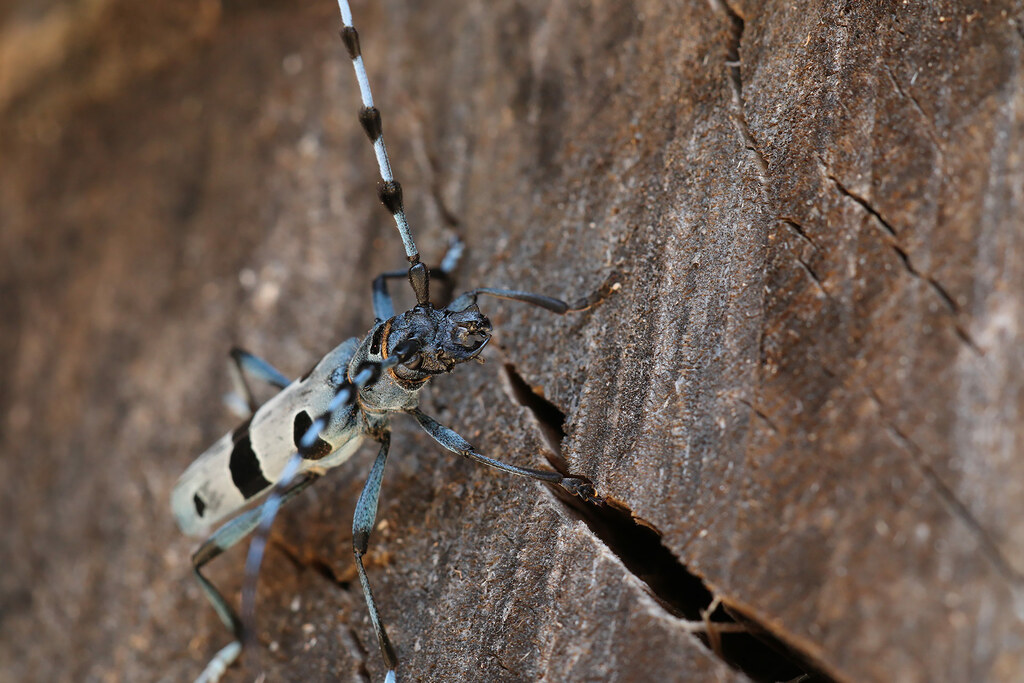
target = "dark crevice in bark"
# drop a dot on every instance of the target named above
(799, 230)
(814, 276)
(864, 204)
(739, 640)
(316, 564)
(736, 27)
(929, 124)
(761, 414)
(549, 418)
(755, 650)
(957, 507)
(355, 646)
(933, 284)
(944, 295)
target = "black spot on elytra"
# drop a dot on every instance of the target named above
(319, 449)
(200, 505)
(245, 468)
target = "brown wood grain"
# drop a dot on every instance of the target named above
(803, 402)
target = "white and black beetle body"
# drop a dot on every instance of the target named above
(244, 464)
(318, 421)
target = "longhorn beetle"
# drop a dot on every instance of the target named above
(318, 421)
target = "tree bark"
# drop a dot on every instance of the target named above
(802, 399)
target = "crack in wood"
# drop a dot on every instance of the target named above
(799, 230)
(907, 95)
(733, 64)
(866, 205)
(813, 275)
(740, 641)
(318, 565)
(349, 635)
(761, 414)
(358, 651)
(933, 284)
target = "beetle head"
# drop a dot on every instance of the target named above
(446, 338)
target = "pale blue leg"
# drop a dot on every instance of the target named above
(362, 525)
(451, 440)
(222, 539)
(383, 306)
(245, 363)
(451, 257)
(220, 663)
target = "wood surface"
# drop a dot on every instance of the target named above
(804, 402)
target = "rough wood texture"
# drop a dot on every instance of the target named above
(809, 384)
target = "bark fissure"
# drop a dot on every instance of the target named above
(864, 204)
(761, 414)
(739, 640)
(907, 95)
(734, 70)
(358, 651)
(318, 565)
(550, 419)
(943, 294)
(813, 275)
(799, 230)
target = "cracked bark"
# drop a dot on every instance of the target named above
(904, 257)
(749, 647)
(734, 66)
(801, 445)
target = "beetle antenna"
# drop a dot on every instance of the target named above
(389, 190)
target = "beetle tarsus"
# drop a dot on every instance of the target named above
(582, 488)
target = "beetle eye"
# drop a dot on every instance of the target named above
(468, 339)
(413, 362)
